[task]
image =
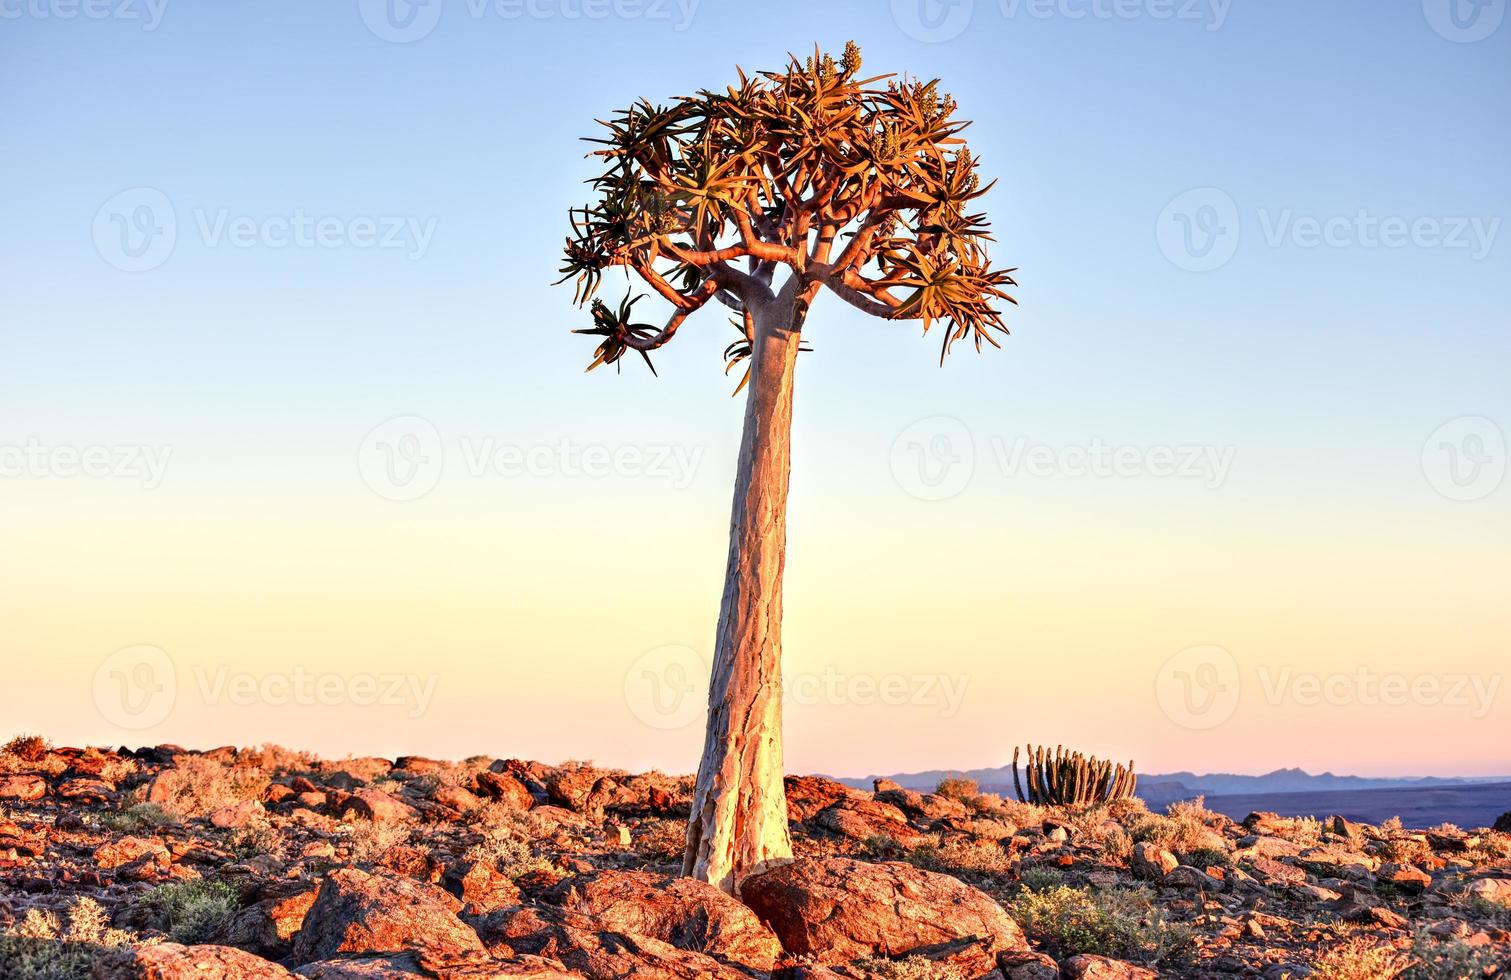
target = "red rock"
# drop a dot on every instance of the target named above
(837, 910)
(268, 926)
(377, 806)
(504, 788)
(357, 912)
(24, 787)
(457, 798)
(1408, 878)
(1152, 861)
(808, 795)
(481, 887)
(1088, 967)
(576, 942)
(129, 850)
(171, 961)
(684, 912)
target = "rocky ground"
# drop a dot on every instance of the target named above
(166, 863)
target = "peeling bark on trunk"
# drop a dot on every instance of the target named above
(739, 812)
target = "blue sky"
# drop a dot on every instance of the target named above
(264, 364)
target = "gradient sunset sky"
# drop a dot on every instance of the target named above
(1231, 497)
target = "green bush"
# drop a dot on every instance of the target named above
(1118, 922)
(193, 908)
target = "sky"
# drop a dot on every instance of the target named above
(296, 445)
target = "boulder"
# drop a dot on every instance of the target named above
(171, 961)
(25, 787)
(236, 815)
(377, 806)
(683, 912)
(1407, 877)
(503, 788)
(267, 927)
(129, 851)
(407, 966)
(808, 795)
(837, 910)
(357, 912)
(575, 941)
(1494, 890)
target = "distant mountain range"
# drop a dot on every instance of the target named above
(1167, 787)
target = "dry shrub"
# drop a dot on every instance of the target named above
(369, 840)
(1185, 831)
(909, 968)
(959, 856)
(958, 788)
(26, 748)
(1361, 958)
(197, 787)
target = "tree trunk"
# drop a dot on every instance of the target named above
(739, 813)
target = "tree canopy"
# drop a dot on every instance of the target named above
(859, 185)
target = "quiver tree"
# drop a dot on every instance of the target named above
(861, 186)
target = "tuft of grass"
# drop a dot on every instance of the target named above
(139, 818)
(371, 839)
(1448, 959)
(508, 854)
(197, 787)
(909, 968)
(960, 856)
(1123, 923)
(41, 948)
(193, 908)
(1041, 878)
(1361, 958)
